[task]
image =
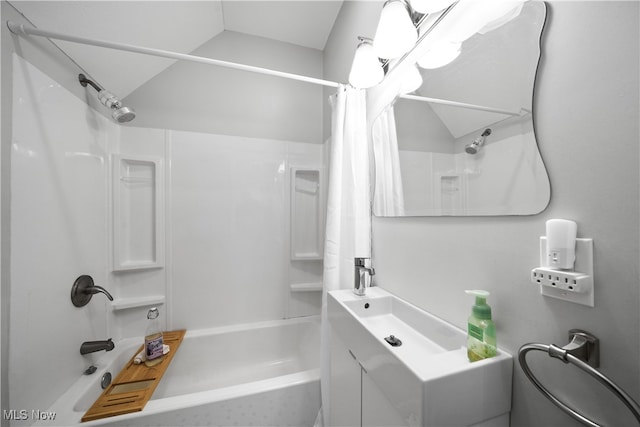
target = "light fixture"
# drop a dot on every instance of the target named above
(439, 55)
(430, 6)
(366, 69)
(396, 33)
(412, 80)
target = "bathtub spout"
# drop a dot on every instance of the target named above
(93, 346)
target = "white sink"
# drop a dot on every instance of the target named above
(428, 379)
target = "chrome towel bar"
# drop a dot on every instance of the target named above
(583, 352)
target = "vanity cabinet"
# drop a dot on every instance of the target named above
(424, 380)
(377, 410)
(345, 385)
(355, 399)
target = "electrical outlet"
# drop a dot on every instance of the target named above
(570, 281)
(576, 285)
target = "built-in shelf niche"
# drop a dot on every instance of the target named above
(306, 287)
(137, 302)
(451, 193)
(138, 219)
(307, 213)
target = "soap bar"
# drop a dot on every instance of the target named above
(140, 357)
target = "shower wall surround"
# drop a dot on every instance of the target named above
(493, 181)
(227, 237)
(227, 234)
(131, 285)
(58, 232)
(230, 228)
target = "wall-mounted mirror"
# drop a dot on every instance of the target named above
(437, 159)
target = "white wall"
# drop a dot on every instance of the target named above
(42, 53)
(227, 234)
(62, 222)
(202, 98)
(227, 208)
(230, 227)
(356, 18)
(138, 283)
(58, 231)
(586, 110)
(4, 296)
(236, 135)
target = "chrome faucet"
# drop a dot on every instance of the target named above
(363, 275)
(93, 346)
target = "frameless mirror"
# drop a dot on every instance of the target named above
(477, 155)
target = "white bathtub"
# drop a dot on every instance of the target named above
(262, 374)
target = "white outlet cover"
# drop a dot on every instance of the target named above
(583, 264)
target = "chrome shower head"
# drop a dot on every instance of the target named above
(120, 113)
(473, 147)
(477, 143)
(123, 115)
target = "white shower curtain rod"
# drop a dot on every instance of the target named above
(465, 105)
(22, 30)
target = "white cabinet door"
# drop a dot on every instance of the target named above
(377, 410)
(345, 385)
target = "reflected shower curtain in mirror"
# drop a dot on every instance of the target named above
(348, 225)
(389, 194)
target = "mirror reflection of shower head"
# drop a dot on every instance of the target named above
(120, 113)
(477, 143)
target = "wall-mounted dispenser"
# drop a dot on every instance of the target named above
(566, 264)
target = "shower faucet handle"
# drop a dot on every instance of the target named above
(84, 288)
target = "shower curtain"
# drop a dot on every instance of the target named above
(389, 193)
(348, 225)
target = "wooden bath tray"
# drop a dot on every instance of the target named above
(135, 384)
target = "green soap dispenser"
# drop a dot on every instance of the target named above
(481, 338)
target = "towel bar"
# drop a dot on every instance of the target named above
(583, 352)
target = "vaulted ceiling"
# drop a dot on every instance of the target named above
(179, 26)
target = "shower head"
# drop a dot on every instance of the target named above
(477, 143)
(120, 113)
(123, 115)
(474, 146)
